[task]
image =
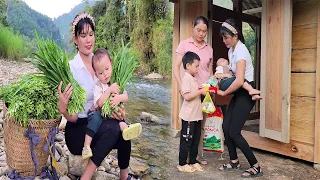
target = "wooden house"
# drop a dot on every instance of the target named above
(287, 69)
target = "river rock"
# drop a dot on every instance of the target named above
(3, 164)
(153, 76)
(1, 116)
(60, 150)
(138, 168)
(72, 177)
(4, 170)
(101, 168)
(57, 155)
(174, 133)
(75, 165)
(4, 177)
(63, 167)
(3, 157)
(105, 164)
(64, 178)
(144, 116)
(100, 175)
(63, 124)
(59, 137)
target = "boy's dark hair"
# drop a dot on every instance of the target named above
(189, 58)
(98, 55)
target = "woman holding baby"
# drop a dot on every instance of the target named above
(242, 102)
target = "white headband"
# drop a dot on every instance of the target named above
(231, 28)
(82, 15)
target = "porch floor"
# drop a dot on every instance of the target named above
(252, 125)
(274, 166)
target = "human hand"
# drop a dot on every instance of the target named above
(221, 93)
(204, 91)
(119, 114)
(64, 97)
(114, 100)
(218, 76)
(115, 88)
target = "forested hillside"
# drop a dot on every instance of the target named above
(21, 18)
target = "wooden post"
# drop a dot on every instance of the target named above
(175, 100)
(237, 7)
(317, 100)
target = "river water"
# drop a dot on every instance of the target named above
(152, 147)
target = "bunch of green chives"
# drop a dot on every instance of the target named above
(124, 63)
(52, 61)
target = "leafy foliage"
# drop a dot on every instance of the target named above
(112, 27)
(3, 9)
(13, 46)
(30, 98)
(52, 61)
(162, 44)
(139, 22)
(250, 38)
(123, 65)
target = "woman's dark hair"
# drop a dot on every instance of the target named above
(79, 27)
(225, 31)
(200, 19)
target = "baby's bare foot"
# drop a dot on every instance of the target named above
(254, 91)
(256, 97)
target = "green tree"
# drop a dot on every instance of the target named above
(162, 35)
(144, 15)
(3, 10)
(146, 24)
(112, 26)
(25, 21)
(250, 38)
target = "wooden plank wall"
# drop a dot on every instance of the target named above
(305, 88)
(316, 159)
(303, 70)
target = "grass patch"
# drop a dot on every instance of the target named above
(13, 46)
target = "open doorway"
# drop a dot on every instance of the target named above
(248, 15)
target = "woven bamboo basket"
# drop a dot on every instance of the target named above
(17, 146)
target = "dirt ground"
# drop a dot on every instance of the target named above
(274, 166)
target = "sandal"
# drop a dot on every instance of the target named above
(202, 160)
(86, 152)
(132, 177)
(234, 166)
(252, 174)
(132, 131)
(197, 167)
(186, 168)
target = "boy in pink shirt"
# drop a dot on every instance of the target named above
(191, 115)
